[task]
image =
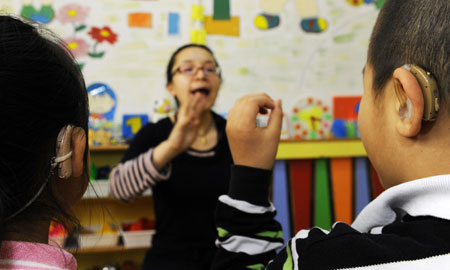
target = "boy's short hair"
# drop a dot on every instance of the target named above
(412, 32)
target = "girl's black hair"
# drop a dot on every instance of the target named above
(172, 60)
(41, 90)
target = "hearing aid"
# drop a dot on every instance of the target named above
(62, 160)
(429, 89)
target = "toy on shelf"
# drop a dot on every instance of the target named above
(345, 112)
(162, 108)
(310, 120)
(139, 233)
(57, 235)
(132, 123)
(105, 235)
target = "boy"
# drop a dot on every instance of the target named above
(406, 227)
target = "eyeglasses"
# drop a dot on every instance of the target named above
(191, 70)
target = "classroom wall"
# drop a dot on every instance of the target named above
(285, 61)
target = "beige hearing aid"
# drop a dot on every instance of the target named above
(429, 90)
(63, 153)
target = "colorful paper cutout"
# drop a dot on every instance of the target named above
(174, 24)
(44, 15)
(132, 123)
(198, 36)
(140, 19)
(306, 10)
(222, 10)
(222, 27)
(198, 13)
(345, 113)
(346, 107)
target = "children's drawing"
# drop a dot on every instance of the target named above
(100, 35)
(77, 46)
(311, 119)
(306, 10)
(378, 3)
(44, 15)
(102, 101)
(74, 14)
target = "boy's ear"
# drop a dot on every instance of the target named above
(410, 103)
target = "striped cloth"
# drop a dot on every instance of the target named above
(28, 256)
(131, 178)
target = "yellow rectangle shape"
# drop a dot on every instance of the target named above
(222, 27)
(198, 13)
(198, 36)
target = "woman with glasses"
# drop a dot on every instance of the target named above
(185, 160)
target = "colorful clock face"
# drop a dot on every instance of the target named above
(311, 120)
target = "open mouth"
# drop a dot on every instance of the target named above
(203, 91)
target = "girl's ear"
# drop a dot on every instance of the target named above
(78, 143)
(70, 190)
(410, 103)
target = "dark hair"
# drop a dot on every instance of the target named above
(412, 32)
(174, 55)
(42, 90)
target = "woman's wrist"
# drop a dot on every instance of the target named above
(164, 153)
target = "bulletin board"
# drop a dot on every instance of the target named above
(290, 49)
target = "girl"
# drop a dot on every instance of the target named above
(185, 159)
(43, 157)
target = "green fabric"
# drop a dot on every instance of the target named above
(271, 234)
(322, 200)
(222, 232)
(288, 263)
(256, 266)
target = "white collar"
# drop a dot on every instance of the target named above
(423, 197)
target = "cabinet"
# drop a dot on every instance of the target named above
(92, 210)
(97, 208)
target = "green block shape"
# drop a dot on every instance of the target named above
(222, 10)
(322, 199)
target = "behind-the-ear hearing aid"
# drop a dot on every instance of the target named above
(62, 159)
(429, 89)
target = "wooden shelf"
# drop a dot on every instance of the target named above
(105, 249)
(297, 149)
(120, 147)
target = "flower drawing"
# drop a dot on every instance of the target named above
(103, 34)
(73, 13)
(78, 47)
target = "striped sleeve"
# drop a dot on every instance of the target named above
(248, 235)
(131, 178)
